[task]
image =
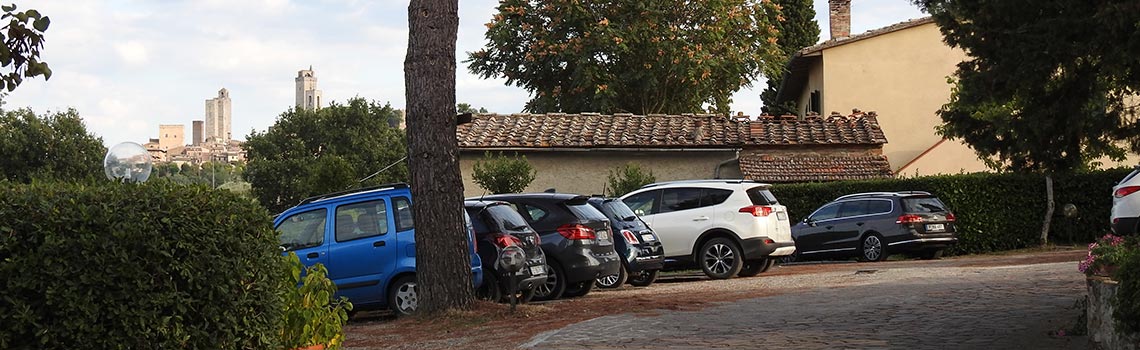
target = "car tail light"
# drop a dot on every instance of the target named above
(629, 237)
(474, 246)
(576, 231)
(757, 210)
(950, 217)
(505, 240)
(909, 218)
(1124, 191)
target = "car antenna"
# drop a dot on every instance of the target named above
(604, 188)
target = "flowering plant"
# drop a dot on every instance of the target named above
(1107, 253)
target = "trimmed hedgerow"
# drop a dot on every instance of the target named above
(995, 211)
(136, 266)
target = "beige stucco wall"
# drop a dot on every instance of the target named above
(950, 157)
(902, 76)
(584, 172)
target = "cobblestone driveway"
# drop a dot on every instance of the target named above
(1008, 307)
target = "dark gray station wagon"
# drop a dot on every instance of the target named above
(872, 226)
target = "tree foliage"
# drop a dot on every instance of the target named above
(49, 146)
(626, 178)
(467, 108)
(797, 30)
(501, 174)
(638, 56)
(23, 38)
(1048, 84)
(312, 152)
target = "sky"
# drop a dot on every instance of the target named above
(128, 66)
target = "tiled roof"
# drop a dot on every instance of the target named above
(813, 168)
(662, 131)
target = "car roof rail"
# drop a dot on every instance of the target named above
(727, 181)
(881, 194)
(355, 190)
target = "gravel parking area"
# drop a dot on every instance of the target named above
(986, 302)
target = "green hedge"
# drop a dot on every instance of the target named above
(136, 266)
(995, 211)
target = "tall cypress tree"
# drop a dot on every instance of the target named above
(797, 30)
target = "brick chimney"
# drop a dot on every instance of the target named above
(840, 15)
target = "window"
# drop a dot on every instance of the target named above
(879, 206)
(828, 212)
(361, 220)
(761, 196)
(506, 219)
(532, 212)
(714, 196)
(403, 215)
(478, 224)
(303, 230)
(815, 104)
(586, 211)
(921, 205)
(676, 199)
(643, 203)
(852, 208)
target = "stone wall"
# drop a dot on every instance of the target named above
(1102, 329)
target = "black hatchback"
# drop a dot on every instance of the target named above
(873, 225)
(642, 255)
(576, 239)
(497, 225)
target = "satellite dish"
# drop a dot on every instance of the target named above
(127, 162)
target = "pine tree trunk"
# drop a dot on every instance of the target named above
(1048, 209)
(442, 263)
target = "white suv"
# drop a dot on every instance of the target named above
(727, 227)
(1126, 204)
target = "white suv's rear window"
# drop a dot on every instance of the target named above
(761, 196)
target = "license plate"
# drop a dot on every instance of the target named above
(648, 237)
(935, 227)
(536, 270)
(781, 215)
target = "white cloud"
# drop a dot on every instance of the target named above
(132, 52)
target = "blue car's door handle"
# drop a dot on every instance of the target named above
(378, 244)
(312, 255)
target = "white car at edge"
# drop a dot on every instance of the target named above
(1126, 204)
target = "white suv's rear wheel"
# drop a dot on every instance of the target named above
(720, 258)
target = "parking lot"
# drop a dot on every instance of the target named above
(979, 302)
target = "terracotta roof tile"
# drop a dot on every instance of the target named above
(662, 131)
(767, 168)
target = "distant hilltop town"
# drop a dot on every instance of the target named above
(212, 138)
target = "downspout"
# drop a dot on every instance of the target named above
(716, 171)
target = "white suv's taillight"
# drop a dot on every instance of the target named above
(757, 210)
(1124, 191)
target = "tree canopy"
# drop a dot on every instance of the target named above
(502, 174)
(23, 38)
(797, 31)
(1048, 85)
(50, 146)
(637, 56)
(311, 152)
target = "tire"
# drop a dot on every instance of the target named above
(614, 280)
(403, 298)
(755, 267)
(871, 248)
(491, 289)
(931, 254)
(578, 289)
(555, 283)
(720, 258)
(643, 278)
(791, 258)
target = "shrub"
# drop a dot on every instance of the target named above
(311, 316)
(136, 266)
(502, 174)
(995, 211)
(1126, 303)
(626, 178)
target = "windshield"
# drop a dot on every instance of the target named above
(921, 205)
(618, 210)
(761, 196)
(506, 218)
(585, 211)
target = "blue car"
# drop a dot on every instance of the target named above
(366, 239)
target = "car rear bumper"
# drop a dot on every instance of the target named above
(1124, 225)
(647, 256)
(760, 247)
(916, 241)
(586, 265)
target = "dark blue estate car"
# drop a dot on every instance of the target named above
(366, 239)
(642, 255)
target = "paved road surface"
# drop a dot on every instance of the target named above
(1006, 307)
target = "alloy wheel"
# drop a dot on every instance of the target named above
(872, 248)
(719, 258)
(547, 287)
(406, 298)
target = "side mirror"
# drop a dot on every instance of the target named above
(809, 221)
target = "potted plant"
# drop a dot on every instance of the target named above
(313, 320)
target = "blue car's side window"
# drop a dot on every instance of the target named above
(403, 209)
(303, 230)
(361, 220)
